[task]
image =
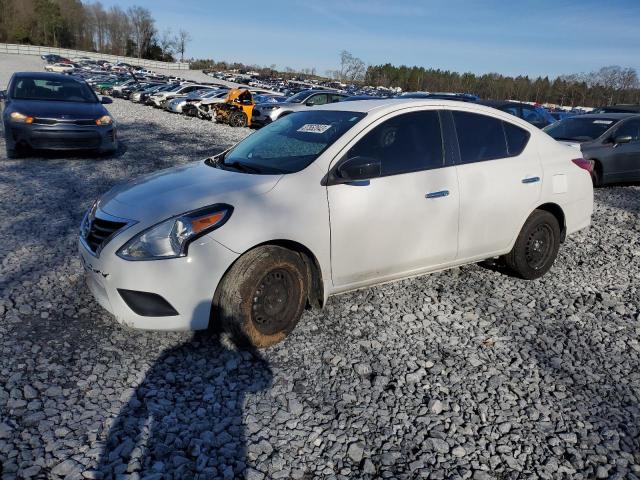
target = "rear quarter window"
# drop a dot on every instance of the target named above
(517, 138)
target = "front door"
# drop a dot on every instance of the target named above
(624, 163)
(407, 219)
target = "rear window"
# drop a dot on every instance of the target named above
(67, 90)
(580, 129)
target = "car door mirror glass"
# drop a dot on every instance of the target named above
(622, 139)
(359, 168)
(3, 94)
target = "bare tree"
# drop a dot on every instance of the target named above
(351, 68)
(142, 28)
(183, 38)
(119, 30)
(167, 42)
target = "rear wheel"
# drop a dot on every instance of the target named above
(263, 295)
(238, 119)
(536, 247)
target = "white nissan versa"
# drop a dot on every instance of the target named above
(327, 200)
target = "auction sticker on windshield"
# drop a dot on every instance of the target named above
(314, 128)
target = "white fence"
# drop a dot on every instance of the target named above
(65, 52)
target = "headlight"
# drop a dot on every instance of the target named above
(20, 117)
(171, 238)
(104, 120)
(86, 221)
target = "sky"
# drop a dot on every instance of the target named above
(511, 37)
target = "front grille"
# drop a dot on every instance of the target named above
(65, 139)
(100, 231)
(56, 121)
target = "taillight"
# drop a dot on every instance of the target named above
(582, 163)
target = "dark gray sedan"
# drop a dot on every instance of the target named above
(55, 112)
(611, 141)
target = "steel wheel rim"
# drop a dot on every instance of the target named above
(273, 304)
(539, 247)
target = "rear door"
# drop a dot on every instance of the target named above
(500, 178)
(405, 220)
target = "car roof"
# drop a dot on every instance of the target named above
(45, 76)
(503, 103)
(616, 116)
(368, 106)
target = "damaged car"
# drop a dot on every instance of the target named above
(236, 110)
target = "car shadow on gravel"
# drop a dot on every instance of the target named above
(186, 416)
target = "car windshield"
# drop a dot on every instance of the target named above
(298, 97)
(580, 129)
(292, 143)
(65, 90)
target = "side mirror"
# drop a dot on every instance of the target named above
(622, 139)
(359, 168)
(309, 103)
(3, 94)
(106, 100)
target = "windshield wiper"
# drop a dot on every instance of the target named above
(243, 167)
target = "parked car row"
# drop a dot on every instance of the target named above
(609, 140)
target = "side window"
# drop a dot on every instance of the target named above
(632, 128)
(406, 143)
(480, 137)
(336, 98)
(517, 138)
(319, 99)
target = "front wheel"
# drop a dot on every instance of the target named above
(238, 119)
(263, 295)
(536, 247)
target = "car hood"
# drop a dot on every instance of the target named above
(154, 197)
(279, 104)
(53, 109)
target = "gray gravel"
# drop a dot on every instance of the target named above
(457, 375)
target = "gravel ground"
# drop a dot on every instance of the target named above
(461, 374)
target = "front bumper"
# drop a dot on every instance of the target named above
(187, 284)
(62, 136)
(175, 107)
(261, 118)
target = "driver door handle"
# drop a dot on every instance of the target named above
(441, 193)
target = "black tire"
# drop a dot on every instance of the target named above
(13, 153)
(262, 297)
(238, 119)
(536, 247)
(596, 173)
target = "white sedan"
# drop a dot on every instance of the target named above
(335, 198)
(59, 68)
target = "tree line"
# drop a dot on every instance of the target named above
(607, 86)
(90, 27)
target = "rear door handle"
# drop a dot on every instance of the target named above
(441, 193)
(531, 180)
